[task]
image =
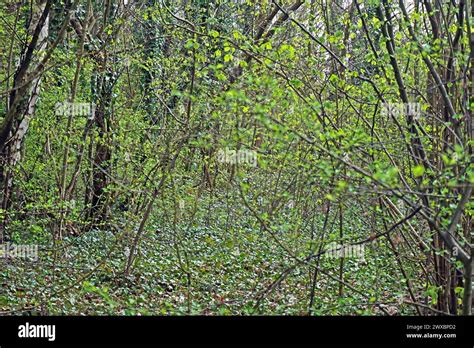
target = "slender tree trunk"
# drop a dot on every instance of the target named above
(22, 104)
(468, 275)
(103, 151)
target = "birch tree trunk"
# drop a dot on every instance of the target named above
(22, 103)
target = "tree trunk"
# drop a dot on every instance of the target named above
(22, 104)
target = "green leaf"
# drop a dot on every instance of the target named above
(418, 171)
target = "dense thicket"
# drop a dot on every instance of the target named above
(202, 157)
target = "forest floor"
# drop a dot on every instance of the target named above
(201, 271)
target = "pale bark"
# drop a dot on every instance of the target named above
(23, 100)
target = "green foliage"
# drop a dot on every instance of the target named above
(135, 211)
